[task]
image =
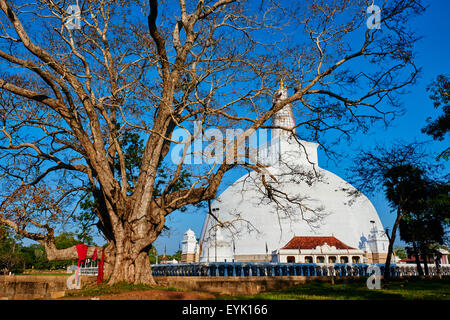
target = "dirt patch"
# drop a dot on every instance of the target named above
(149, 295)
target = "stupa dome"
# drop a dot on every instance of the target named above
(263, 211)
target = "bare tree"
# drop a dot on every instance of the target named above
(69, 93)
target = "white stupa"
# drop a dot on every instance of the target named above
(220, 249)
(304, 200)
(190, 249)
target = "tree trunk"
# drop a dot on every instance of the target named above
(130, 261)
(416, 256)
(130, 264)
(391, 245)
(132, 269)
(425, 262)
(438, 265)
(126, 255)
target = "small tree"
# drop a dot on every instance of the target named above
(422, 232)
(400, 252)
(10, 258)
(424, 226)
(399, 173)
(176, 255)
(439, 127)
(404, 185)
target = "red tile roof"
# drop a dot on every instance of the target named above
(313, 242)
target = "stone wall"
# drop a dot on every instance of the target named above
(376, 258)
(24, 287)
(189, 257)
(253, 258)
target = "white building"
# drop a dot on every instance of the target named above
(189, 249)
(304, 200)
(219, 250)
(318, 250)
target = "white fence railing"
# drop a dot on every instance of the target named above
(86, 269)
(253, 269)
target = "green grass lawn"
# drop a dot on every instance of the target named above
(398, 289)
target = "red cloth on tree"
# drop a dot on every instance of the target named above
(82, 252)
(94, 255)
(100, 267)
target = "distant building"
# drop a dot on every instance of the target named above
(190, 249)
(318, 250)
(442, 259)
(165, 260)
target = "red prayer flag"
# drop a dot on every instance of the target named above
(81, 251)
(94, 255)
(100, 268)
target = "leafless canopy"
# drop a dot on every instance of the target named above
(68, 95)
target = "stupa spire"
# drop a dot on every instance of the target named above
(281, 84)
(284, 118)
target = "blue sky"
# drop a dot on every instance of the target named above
(433, 56)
